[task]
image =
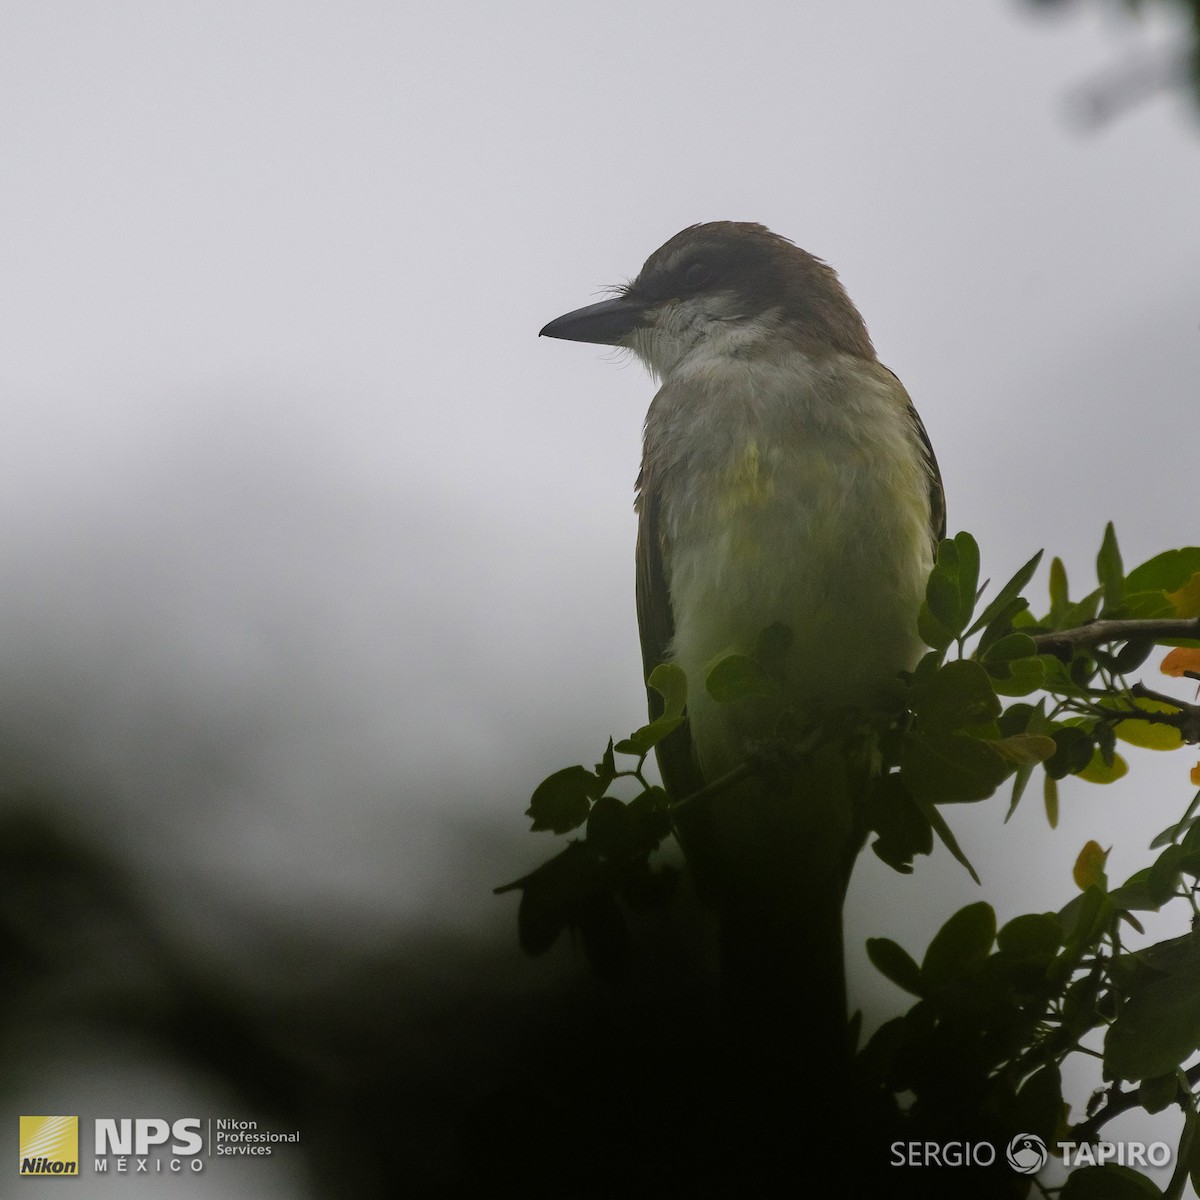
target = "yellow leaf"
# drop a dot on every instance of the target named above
(1187, 599)
(1150, 735)
(1196, 774)
(1089, 867)
(1098, 771)
(1181, 660)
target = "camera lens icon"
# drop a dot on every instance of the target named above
(1027, 1154)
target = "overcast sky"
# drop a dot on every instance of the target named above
(317, 560)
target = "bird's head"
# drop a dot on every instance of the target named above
(727, 287)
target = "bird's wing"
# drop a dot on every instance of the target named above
(656, 625)
(937, 494)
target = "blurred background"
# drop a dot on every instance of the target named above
(316, 560)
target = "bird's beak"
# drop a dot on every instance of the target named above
(606, 323)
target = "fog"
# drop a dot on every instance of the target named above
(317, 561)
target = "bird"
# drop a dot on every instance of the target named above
(786, 479)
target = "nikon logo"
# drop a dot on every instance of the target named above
(48, 1166)
(49, 1146)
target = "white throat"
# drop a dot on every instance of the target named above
(712, 329)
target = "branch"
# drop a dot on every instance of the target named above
(770, 757)
(1187, 720)
(1119, 1102)
(1061, 642)
(1185, 717)
(743, 770)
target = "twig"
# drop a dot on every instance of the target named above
(743, 770)
(765, 758)
(1095, 633)
(1089, 1130)
(1187, 720)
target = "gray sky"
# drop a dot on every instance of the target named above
(317, 560)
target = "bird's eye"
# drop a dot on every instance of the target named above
(698, 275)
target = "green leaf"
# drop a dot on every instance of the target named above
(550, 894)
(1147, 605)
(669, 680)
(1175, 956)
(1020, 783)
(1171, 833)
(538, 924)
(606, 770)
(968, 576)
(1024, 675)
(1013, 645)
(1163, 881)
(1185, 601)
(1157, 1029)
(1081, 612)
(1025, 749)
(951, 768)
(941, 594)
(963, 942)
(611, 828)
(1132, 655)
(1050, 800)
(1024, 718)
(1030, 935)
(1159, 1093)
(603, 933)
(560, 803)
(903, 831)
(938, 824)
(1008, 593)
(1073, 752)
(1040, 1103)
(1059, 593)
(1109, 1182)
(1079, 1008)
(643, 740)
(951, 589)
(894, 962)
(1166, 572)
(738, 676)
(1191, 839)
(959, 695)
(1003, 623)
(933, 632)
(1134, 894)
(1085, 918)
(1109, 569)
(1183, 825)
(928, 666)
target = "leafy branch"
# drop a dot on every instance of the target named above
(1100, 633)
(1002, 694)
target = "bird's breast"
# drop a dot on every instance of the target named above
(798, 499)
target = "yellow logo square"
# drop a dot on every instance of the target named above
(49, 1146)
